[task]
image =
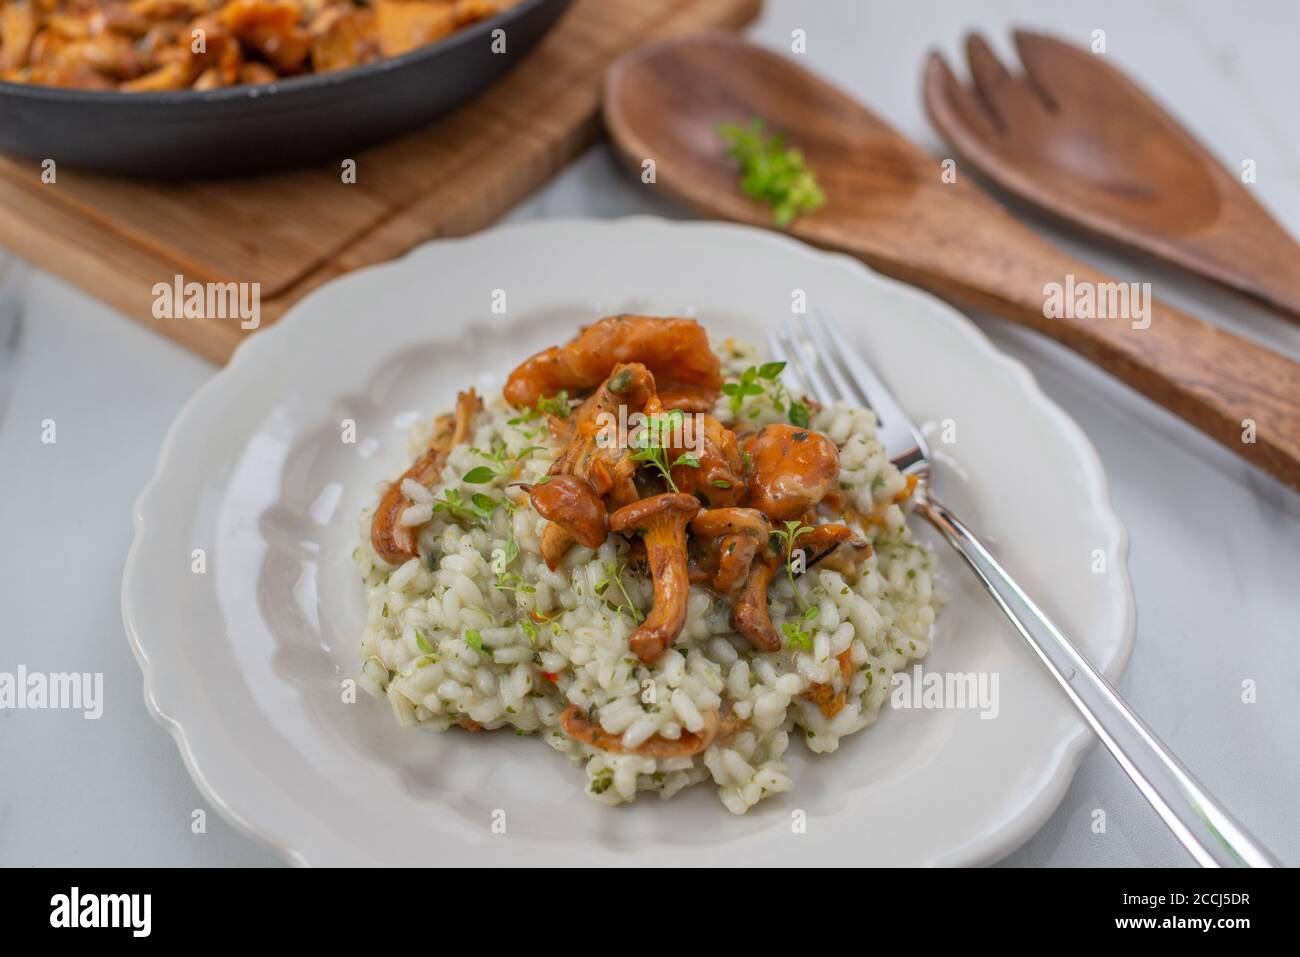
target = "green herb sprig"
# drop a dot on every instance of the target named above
(477, 510)
(771, 172)
(795, 635)
(501, 559)
(651, 442)
(765, 381)
(614, 576)
(529, 422)
(500, 462)
(475, 640)
(792, 532)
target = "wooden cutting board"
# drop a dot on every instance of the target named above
(116, 238)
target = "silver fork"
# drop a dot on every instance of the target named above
(830, 369)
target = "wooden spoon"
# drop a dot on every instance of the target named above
(1077, 139)
(888, 204)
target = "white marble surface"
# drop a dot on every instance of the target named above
(1215, 546)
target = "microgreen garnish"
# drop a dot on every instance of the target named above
(502, 557)
(764, 382)
(793, 532)
(423, 643)
(652, 445)
(557, 405)
(475, 641)
(523, 424)
(796, 636)
(500, 462)
(478, 509)
(798, 413)
(614, 576)
(751, 383)
(772, 173)
(529, 629)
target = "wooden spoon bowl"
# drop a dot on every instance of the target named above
(889, 204)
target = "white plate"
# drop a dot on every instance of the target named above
(244, 663)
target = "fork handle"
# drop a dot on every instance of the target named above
(1208, 831)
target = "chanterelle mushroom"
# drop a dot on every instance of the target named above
(749, 614)
(661, 521)
(573, 505)
(593, 450)
(793, 470)
(730, 538)
(830, 701)
(715, 475)
(604, 467)
(576, 725)
(833, 546)
(396, 543)
(675, 350)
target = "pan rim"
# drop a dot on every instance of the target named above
(283, 88)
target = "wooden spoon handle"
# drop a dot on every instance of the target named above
(1243, 395)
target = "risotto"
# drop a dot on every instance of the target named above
(663, 611)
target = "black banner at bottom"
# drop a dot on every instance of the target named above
(338, 906)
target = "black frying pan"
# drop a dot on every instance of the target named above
(239, 130)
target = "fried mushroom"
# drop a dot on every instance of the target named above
(833, 546)
(572, 506)
(675, 350)
(576, 725)
(749, 614)
(793, 469)
(715, 476)
(394, 542)
(661, 522)
(730, 537)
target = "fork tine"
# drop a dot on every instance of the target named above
(777, 350)
(903, 441)
(787, 351)
(816, 383)
(844, 384)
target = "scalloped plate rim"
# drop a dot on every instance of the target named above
(992, 847)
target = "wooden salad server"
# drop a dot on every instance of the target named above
(1077, 139)
(890, 204)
